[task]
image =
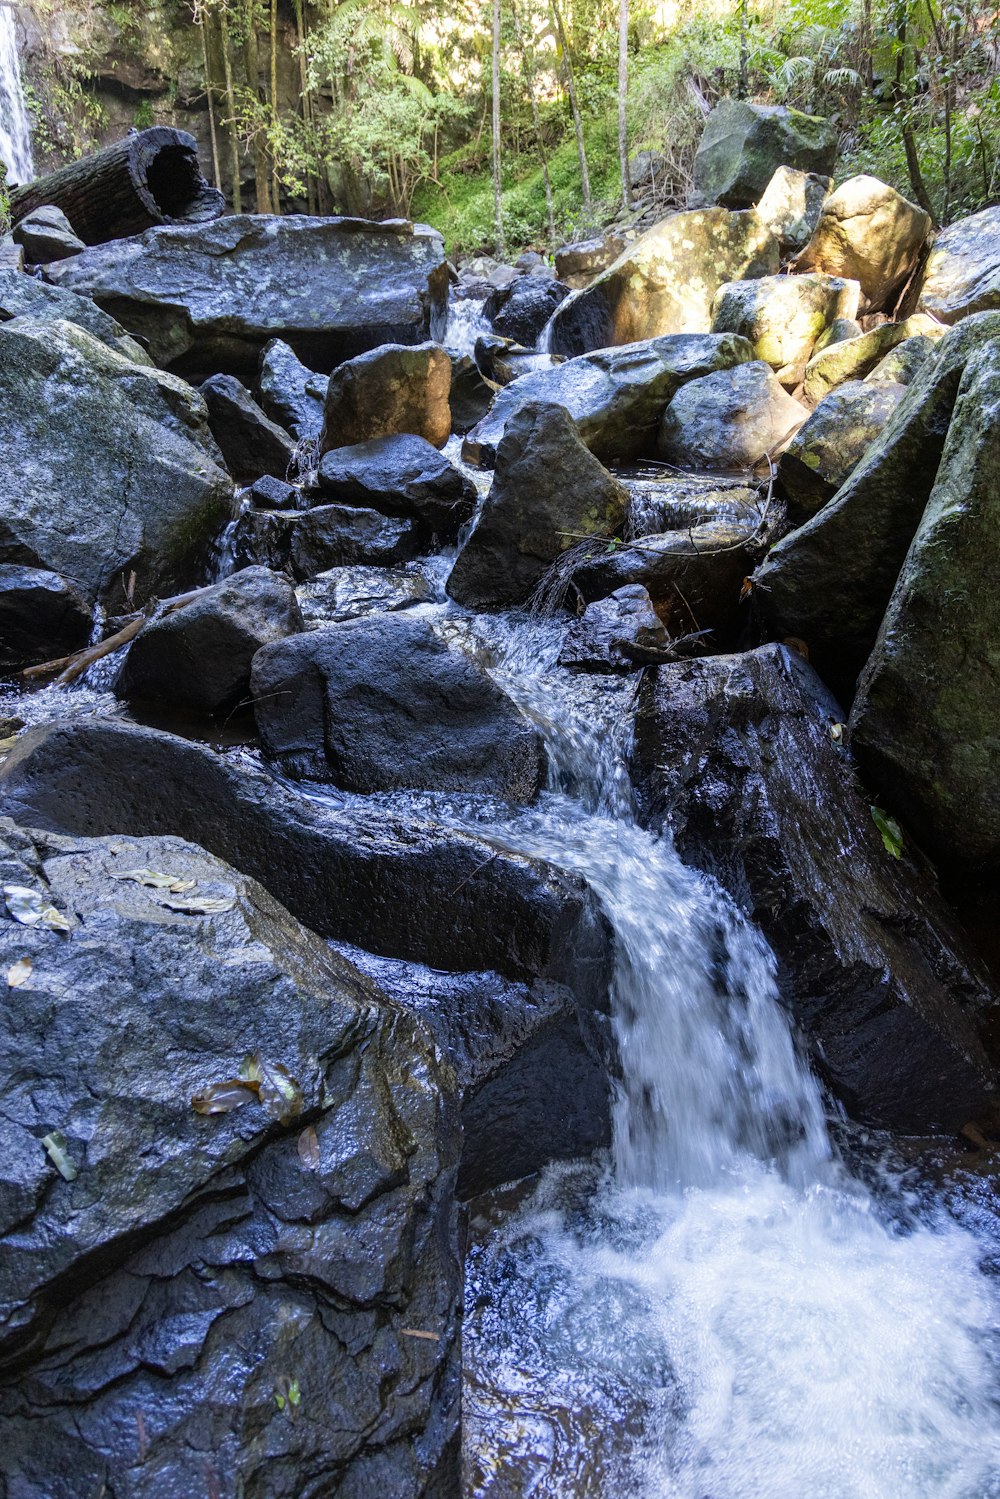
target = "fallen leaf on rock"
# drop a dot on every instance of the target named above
(892, 833)
(18, 973)
(280, 1094)
(55, 1146)
(200, 905)
(837, 733)
(223, 1098)
(30, 909)
(309, 1149)
(418, 1332)
(157, 881)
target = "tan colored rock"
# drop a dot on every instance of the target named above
(854, 358)
(792, 203)
(395, 388)
(825, 452)
(729, 420)
(666, 281)
(783, 316)
(871, 233)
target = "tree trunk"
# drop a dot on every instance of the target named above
(307, 116)
(234, 140)
(528, 74)
(275, 184)
(210, 96)
(581, 148)
(251, 59)
(146, 179)
(623, 100)
(497, 205)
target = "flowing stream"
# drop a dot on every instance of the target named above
(15, 126)
(726, 1312)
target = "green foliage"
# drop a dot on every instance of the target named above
(892, 833)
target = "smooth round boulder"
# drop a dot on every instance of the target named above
(401, 475)
(783, 316)
(729, 420)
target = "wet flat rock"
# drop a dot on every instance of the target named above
(735, 754)
(212, 1304)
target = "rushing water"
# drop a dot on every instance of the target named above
(15, 127)
(726, 1313)
(465, 324)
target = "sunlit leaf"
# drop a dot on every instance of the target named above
(55, 1145)
(157, 881)
(837, 733)
(308, 1148)
(18, 973)
(224, 1097)
(287, 1393)
(892, 833)
(280, 1094)
(31, 909)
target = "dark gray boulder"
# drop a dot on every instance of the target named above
(533, 1066)
(168, 1278)
(401, 475)
(199, 656)
(962, 274)
(387, 880)
(615, 396)
(829, 582)
(521, 310)
(209, 297)
(926, 720)
(110, 466)
(24, 296)
(503, 361)
(730, 420)
(826, 450)
(744, 144)
(620, 633)
(548, 492)
(735, 754)
(250, 442)
(46, 234)
(41, 617)
(268, 493)
(291, 394)
(352, 592)
(471, 395)
(308, 542)
(383, 704)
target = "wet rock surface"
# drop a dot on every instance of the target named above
(520, 311)
(730, 420)
(290, 393)
(743, 145)
(620, 633)
(390, 389)
(962, 275)
(167, 1288)
(41, 617)
(308, 542)
(209, 297)
(128, 480)
(825, 451)
(250, 442)
(735, 755)
(401, 475)
(386, 703)
(548, 491)
(199, 656)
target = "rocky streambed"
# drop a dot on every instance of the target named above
(497, 991)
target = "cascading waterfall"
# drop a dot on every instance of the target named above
(465, 324)
(15, 126)
(792, 1334)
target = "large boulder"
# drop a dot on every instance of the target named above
(743, 144)
(871, 234)
(615, 396)
(384, 704)
(110, 468)
(926, 720)
(826, 450)
(209, 297)
(25, 296)
(578, 263)
(729, 420)
(46, 235)
(305, 543)
(401, 475)
(352, 592)
(735, 755)
(791, 205)
(622, 632)
(829, 582)
(783, 316)
(962, 274)
(199, 656)
(41, 617)
(292, 395)
(521, 310)
(665, 281)
(854, 358)
(392, 389)
(387, 880)
(250, 442)
(203, 1302)
(548, 492)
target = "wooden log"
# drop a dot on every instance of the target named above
(151, 177)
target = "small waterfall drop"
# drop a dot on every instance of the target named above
(774, 1328)
(465, 324)
(15, 125)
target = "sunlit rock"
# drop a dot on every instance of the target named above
(962, 274)
(783, 316)
(870, 233)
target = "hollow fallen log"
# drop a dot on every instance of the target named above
(152, 177)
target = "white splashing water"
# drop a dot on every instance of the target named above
(465, 324)
(816, 1349)
(15, 126)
